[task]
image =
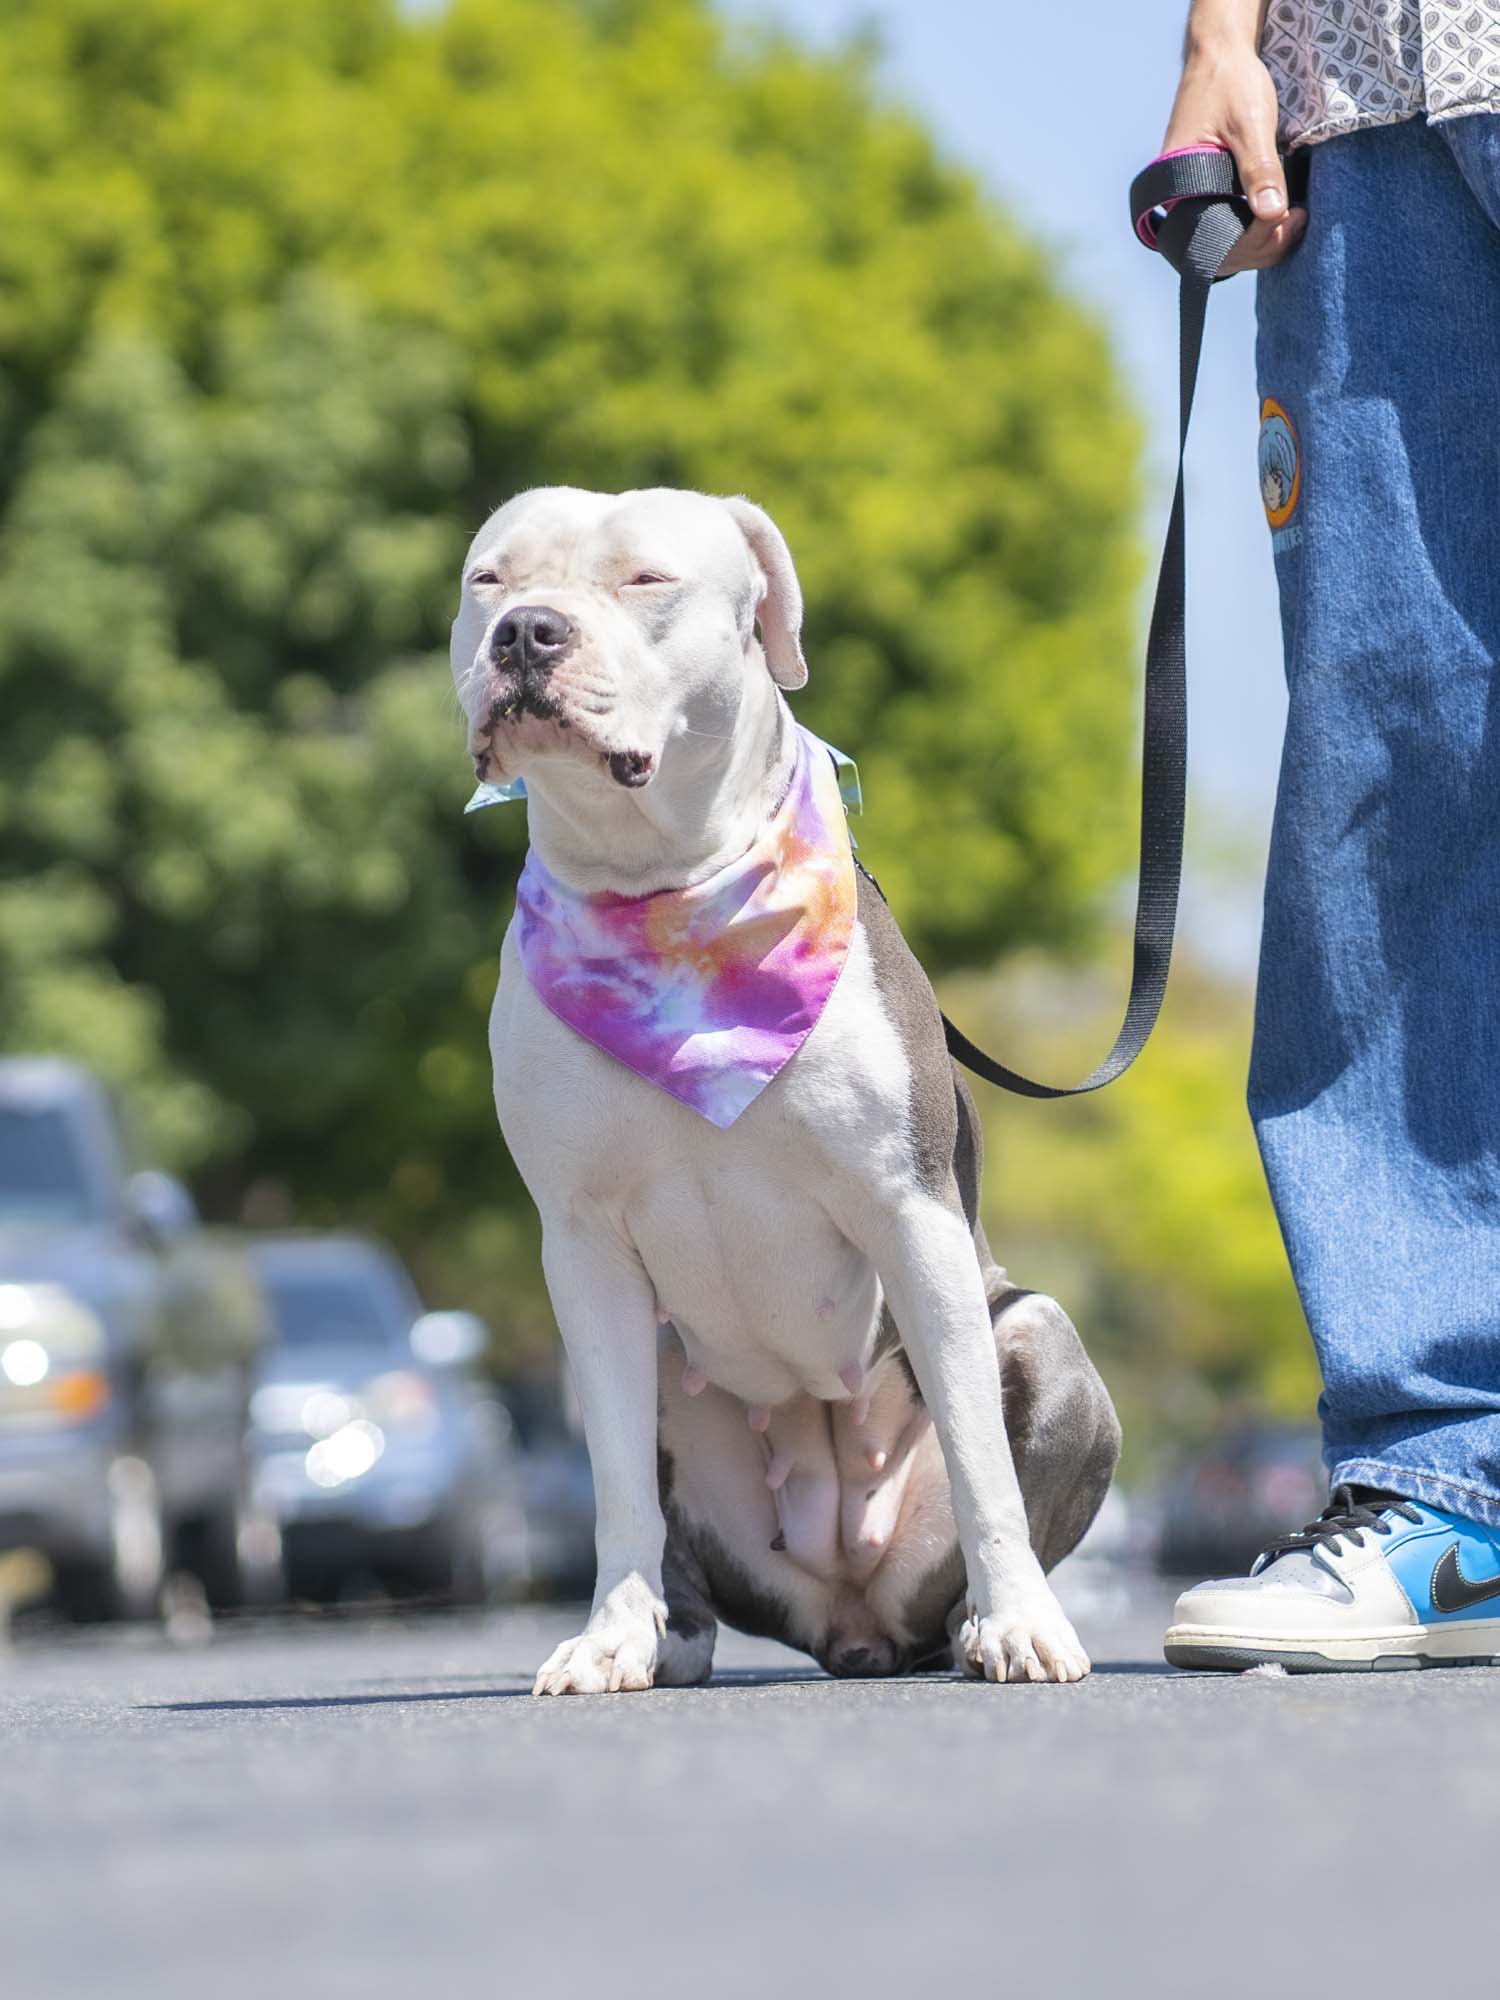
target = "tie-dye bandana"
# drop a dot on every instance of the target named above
(706, 991)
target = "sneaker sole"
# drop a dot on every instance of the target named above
(1468, 1643)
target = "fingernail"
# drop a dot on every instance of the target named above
(1267, 202)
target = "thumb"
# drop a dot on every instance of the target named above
(1260, 172)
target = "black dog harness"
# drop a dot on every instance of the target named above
(1191, 207)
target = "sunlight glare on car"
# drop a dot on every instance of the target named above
(348, 1454)
(24, 1362)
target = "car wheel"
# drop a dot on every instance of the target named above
(468, 1583)
(445, 1564)
(235, 1554)
(210, 1549)
(126, 1582)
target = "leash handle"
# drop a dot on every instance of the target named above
(1187, 173)
(1188, 205)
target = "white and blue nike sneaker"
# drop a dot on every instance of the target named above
(1376, 1582)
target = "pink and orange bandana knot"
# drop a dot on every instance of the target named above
(707, 991)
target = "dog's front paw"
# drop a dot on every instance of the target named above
(617, 1650)
(1035, 1643)
(596, 1663)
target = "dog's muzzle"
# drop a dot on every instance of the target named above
(526, 647)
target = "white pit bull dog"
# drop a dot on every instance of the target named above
(814, 1405)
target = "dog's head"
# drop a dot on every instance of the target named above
(598, 627)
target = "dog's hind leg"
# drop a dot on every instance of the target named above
(686, 1656)
(1064, 1434)
(1064, 1440)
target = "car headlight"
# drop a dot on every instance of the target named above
(52, 1356)
(347, 1454)
(351, 1431)
(401, 1401)
(397, 1401)
(293, 1409)
(24, 1362)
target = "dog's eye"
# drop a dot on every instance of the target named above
(645, 576)
(480, 577)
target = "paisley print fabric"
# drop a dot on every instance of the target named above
(1341, 65)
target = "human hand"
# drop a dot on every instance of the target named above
(1226, 98)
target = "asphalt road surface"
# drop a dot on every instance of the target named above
(377, 1808)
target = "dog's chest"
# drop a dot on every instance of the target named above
(769, 1298)
(751, 1236)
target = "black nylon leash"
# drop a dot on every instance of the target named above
(1190, 206)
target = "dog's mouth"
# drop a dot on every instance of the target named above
(631, 768)
(531, 717)
(525, 696)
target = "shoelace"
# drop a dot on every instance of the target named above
(1345, 1516)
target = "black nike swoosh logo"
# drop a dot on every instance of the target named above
(1452, 1590)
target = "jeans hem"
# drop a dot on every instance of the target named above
(1433, 1489)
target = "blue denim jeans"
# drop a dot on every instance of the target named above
(1375, 1077)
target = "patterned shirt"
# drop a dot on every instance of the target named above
(1340, 65)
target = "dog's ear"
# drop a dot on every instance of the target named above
(780, 608)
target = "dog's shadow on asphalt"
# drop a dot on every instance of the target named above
(408, 1698)
(766, 1677)
(729, 1680)
(744, 1677)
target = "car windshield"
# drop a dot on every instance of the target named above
(42, 1178)
(332, 1309)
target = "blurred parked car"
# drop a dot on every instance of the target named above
(558, 1482)
(1257, 1481)
(127, 1338)
(377, 1451)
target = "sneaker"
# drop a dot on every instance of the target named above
(1377, 1581)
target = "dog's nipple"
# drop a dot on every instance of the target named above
(853, 1378)
(694, 1381)
(778, 1471)
(758, 1416)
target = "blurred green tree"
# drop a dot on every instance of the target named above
(291, 292)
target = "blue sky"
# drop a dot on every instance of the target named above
(1055, 106)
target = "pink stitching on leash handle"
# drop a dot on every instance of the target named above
(1144, 227)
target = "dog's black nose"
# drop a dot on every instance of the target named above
(861, 1662)
(534, 636)
(857, 1660)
